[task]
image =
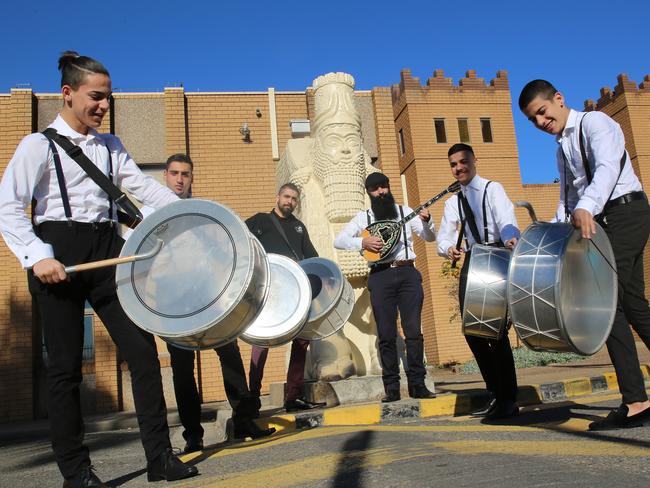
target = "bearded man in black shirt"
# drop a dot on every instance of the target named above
(296, 246)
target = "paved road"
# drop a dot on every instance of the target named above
(545, 446)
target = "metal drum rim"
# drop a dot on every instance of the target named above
(124, 271)
(339, 294)
(558, 290)
(273, 342)
(345, 286)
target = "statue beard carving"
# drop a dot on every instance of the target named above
(342, 183)
(383, 207)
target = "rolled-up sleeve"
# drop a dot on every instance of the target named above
(348, 238)
(448, 231)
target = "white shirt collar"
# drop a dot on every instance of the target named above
(569, 127)
(64, 129)
(476, 184)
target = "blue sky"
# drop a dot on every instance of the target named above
(252, 45)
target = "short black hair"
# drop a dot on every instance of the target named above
(74, 68)
(179, 158)
(533, 89)
(289, 186)
(460, 147)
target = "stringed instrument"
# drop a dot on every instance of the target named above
(390, 231)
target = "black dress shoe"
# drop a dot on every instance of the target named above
(421, 391)
(250, 429)
(618, 419)
(485, 409)
(193, 444)
(390, 396)
(85, 479)
(301, 404)
(168, 467)
(503, 410)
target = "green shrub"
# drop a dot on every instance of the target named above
(527, 358)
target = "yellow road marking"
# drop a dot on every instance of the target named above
(328, 465)
(357, 415)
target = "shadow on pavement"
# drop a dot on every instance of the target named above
(351, 463)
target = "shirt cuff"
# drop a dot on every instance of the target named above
(36, 252)
(588, 205)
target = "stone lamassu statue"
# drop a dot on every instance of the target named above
(330, 168)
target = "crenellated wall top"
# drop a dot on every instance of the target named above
(624, 85)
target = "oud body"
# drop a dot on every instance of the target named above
(390, 231)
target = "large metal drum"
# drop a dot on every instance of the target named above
(562, 289)
(486, 304)
(286, 309)
(332, 299)
(206, 284)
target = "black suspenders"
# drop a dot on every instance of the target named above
(62, 186)
(471, 221)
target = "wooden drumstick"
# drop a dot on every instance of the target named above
(115, 261)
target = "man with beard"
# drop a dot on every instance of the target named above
(281, 233)
(393, 285)
(178, 175)
(484, 203)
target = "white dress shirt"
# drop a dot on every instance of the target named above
(31, 174)
(501, 220)
(604, 145)
(349, 238)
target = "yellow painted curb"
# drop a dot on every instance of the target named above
(612, 382)
(358, 415)
(445, 405)
(645, 369)
(578, 387)
(280, 422)
(529, 395)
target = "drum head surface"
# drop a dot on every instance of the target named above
(286, 308)
(326, 283)
(485, 295)
(200, 274)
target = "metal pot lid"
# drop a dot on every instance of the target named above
(326, 282)
(199, 275)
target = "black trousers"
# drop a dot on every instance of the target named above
(494, 358)
(627, 227)
(61, 309)
(187, 394)
(394, 289)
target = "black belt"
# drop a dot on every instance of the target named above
(392, 264)
(627, 198)
(92, 226)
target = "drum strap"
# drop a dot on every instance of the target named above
(278, 227)
(485, 222)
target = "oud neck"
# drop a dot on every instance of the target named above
(426, 204)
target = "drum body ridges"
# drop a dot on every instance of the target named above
(562, 289)
(486, 292)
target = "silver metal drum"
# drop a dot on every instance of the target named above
(207, 283)
(562, 289)
(486, 303)
(332, 299)
(286, 309)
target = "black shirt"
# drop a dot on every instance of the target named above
(272, 241)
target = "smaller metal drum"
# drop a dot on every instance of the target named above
(286, 308)
(332, 299)
(562, 289)
(207, 283)
(486, 301)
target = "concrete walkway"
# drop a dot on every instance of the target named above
(458, 394)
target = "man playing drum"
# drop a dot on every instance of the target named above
(74, 221)
(280, 232)
(178, 175)
(393, 285)
(598, 184)
(484, 213)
